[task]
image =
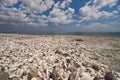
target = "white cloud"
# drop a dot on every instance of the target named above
(70, 13)
(59, 16)
(102, 3)
(20, 15)
(65, 3)
(90, 12)
(63, 17)
(13, 15)
(97, 27)
(36, 6)
(102, 27)
(30, 12)
(8, 2)
(40, 20)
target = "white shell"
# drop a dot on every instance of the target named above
(39, 52)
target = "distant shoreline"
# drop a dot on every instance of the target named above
(102, 34)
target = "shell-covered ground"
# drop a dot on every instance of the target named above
(59, 57)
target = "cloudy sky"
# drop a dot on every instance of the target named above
(59, 15)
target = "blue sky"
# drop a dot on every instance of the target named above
(59, 15)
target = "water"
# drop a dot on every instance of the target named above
(104, 34)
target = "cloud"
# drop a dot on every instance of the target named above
(31, 12)
(13, 15)
(8, 2)
(98, 27)
(36, 6)
(102, 3)
(57, 12)
(38, 20)
(63, 17)
(65, 3)
(26, 13)
(90, 12)
(101, 26)
(60, 16)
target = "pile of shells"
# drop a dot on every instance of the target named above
(49, 58)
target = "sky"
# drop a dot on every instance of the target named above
(59, 15)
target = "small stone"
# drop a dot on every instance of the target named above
(97, 77)
(76, 65)
(84, 64)
(56, 61)
(66, 54)
(55, 74)
(68, 60)
(58, 52)
(96, 67)
(109, 76)
(79, 40)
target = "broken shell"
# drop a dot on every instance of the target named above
(33, 73)
(86, 76)
(37, 78)
(98, 77)
(74, 75)
(20, 72)
(37, 57)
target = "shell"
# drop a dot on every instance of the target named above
(86, 76)
(37, 78)
(74, 75)
(51, 57)
(33, 73)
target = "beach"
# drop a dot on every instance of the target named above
(60, 57)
